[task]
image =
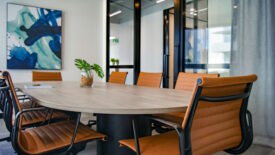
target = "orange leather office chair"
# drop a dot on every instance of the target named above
(46, 76)
(48, 138)
(118, 77)
(216, 119)
(185, 81)
(149, 79)
(28, 119)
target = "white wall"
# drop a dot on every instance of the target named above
(83, 34)
(152, 42)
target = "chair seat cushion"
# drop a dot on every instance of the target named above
(54, 136)
(162, 144)
(176, 117)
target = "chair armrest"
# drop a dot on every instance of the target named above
(24, 97)
(179, 131)
(15, 129)
(18, 90)
(4, 88)
(168, 123)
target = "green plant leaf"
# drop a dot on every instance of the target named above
(84, 65)
(98, 70)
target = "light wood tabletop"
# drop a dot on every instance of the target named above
(106, 98)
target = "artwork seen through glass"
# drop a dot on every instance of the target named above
(33, 38)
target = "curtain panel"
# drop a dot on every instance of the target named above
(253, 52)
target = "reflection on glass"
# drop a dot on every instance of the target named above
(122, 36)
(121, 32)
(208, 36)
(152, 34)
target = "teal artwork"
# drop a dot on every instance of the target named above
(33, 38)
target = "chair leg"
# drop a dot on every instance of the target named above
(136, 136)
(75, 132)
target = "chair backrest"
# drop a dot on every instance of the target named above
(149, 79)
(216, 118)
(46, 76)
(12, 104)
(118, 77)
(187, 81)
(2, 84)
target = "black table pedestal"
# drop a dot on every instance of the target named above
(118, 127)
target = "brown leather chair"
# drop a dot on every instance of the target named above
(48, 138)
(118, 77)
(149, 79)
(28, 119)
(46, 76)
(187, 82)
(216, 119)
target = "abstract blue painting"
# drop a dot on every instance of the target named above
(33, 38)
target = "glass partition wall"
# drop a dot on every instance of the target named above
(135, 36)
(154, 57)
(208, 36)
(168, 36)
(121, 39)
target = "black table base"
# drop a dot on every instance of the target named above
(118, 127)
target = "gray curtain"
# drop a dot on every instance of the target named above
(253, 52)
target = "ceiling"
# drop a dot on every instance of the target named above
(127, 8)
(150, 6)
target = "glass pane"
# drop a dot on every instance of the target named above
(121, 32)
(208, 36)
(152, 34)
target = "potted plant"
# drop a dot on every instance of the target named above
(113, 60)
(86, 72)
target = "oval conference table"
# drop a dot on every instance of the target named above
(114, 105)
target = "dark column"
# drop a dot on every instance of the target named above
(137, 22)
(179, 40)
(107, 40)
(118, 127)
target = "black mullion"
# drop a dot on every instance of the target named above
(108, 40)
(195, 31)
(179, 38)
(137, 26)
(166, 48)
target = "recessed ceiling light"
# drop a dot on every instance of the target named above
(115, 13)
(159, 1)
(235, 6)
(192, 9)
(195, 14)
